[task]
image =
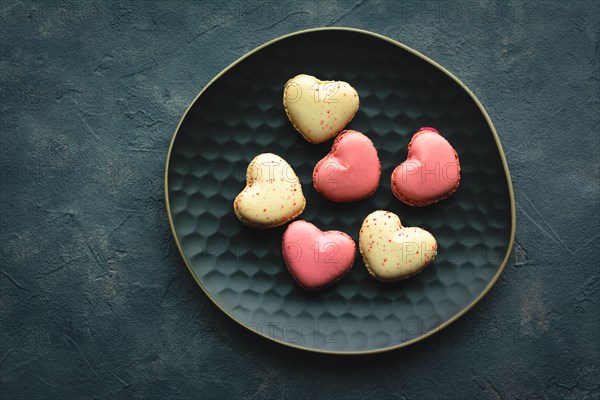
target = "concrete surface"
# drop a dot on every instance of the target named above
(95, 302)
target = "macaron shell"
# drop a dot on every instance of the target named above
(315, 258)
(431, 171)
(273, 193)
(392, 252)
(351, 171)
(319, 110)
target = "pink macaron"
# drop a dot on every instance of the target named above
(350, 171)
(431, 171)
(316, 258)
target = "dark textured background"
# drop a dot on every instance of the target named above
(95, 301)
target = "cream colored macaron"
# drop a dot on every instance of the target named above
(319, 110)
(392, 252)
(273, 193)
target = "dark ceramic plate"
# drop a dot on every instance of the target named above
(240, 114)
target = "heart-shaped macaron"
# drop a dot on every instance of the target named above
(350, 171)
(392, 252)
(273, 193)
(431, 171)
(319, 110)
(316, 258)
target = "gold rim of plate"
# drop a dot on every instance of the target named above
(430, 61)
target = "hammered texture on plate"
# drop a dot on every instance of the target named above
(241, 115)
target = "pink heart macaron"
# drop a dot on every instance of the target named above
(350, 171)
(316, 258)
(431, 171)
